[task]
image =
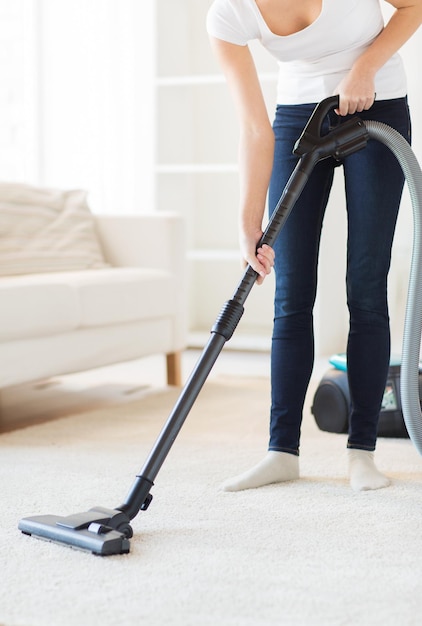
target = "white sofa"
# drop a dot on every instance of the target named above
(127, 303)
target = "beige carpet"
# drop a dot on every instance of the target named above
(309, 553)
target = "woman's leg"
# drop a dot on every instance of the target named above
(296, 262)
(374, 183)
(296, 274)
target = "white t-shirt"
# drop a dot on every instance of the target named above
(312, 61)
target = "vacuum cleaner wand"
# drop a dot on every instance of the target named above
(107, 531)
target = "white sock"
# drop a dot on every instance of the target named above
(362, 471)
(275, 467)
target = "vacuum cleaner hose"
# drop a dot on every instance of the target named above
(409, 379)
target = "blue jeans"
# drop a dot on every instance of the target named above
(373, 187)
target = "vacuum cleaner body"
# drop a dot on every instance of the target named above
(331, 405)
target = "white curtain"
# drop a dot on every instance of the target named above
(18, 135)
(96, 100)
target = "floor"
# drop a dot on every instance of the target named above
(56, 397)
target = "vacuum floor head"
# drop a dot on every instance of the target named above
(89, 531)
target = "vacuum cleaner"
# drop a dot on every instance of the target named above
(104, 531)
(332, 407)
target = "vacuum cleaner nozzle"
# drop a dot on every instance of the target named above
(102, 531)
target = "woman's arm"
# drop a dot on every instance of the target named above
(256, 149)
(356, 90)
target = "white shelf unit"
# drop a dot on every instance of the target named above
(196, 167)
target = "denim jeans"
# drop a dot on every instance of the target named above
(373, 187)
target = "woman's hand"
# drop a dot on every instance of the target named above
(261, 260)
(356, 92)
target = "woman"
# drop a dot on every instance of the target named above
(324, 47)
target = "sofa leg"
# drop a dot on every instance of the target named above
(174, 368)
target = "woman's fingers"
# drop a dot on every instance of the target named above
(265, 255)
(350, 106)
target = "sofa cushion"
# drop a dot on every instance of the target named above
(37, 304)
(48, 304)
(123, 294)
(46, 230)
(43, 357)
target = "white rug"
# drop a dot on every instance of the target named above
(308, 553)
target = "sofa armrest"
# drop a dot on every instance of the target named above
(150, 240)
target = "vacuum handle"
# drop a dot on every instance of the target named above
(314, 125)
(311, 147)
(311, 134)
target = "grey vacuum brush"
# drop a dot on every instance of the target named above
(84, 531)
